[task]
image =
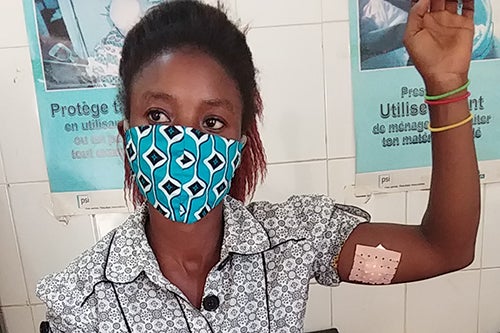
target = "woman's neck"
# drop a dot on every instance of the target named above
(186, 253)
(189, 247)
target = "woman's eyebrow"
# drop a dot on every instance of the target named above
(219, 102)
(154, 95)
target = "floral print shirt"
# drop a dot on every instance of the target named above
(269, 254)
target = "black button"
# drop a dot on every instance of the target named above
(211, 303)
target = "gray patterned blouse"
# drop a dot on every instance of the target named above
(269, 254)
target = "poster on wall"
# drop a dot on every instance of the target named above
(75, 51)
(393, 145)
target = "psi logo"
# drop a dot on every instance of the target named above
(83, 201)
(384, 181)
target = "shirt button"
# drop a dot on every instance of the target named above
(211, 303)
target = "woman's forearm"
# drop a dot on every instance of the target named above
(452, 216)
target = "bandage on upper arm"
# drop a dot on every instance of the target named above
(374, 265)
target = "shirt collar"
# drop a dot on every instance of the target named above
(243, 233)
(129, 251)
(130, 254)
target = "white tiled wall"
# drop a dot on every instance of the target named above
(294, 178)
(445, 304)
(13, 285)
(491, 239)
(335, 10)
(292, 90)
(341, 180)
(22, 149)
(3, 180)
(18, 319)
(301, 48)
(360, 309)
(262, 13)
(339, 111)
(46, 245)
(13, 32)
(489, 301)
(319, 310)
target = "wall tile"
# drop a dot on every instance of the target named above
(339, 107)
(46, 245)
(13, 31)
(341, 177)
(292, 90)
(445, 304)
(495, 9)
(335, 10)
(489, 301)
(383, 207)
(319, 311)
(38, 312)
(285, 180)
(22, 148)
(12, 284)
(3, 179)
(18, 319)
(105, 223)
(360, 309)
(491, 243)
(259, 13)
(417, 204)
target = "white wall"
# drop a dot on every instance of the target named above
(302, 50)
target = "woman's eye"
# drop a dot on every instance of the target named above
(158, 116)
(213, 124)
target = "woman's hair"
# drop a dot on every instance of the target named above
(181, 24)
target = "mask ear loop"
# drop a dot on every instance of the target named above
(126, 125)
(243, 140)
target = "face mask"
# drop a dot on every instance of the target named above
(182, 172)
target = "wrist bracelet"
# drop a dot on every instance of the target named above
(448, 94)
(450, 127)
(449, 100)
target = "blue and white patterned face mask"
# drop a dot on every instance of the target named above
(183, 172)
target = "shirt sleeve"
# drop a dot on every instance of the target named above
(64, 312)
(328, 226)
(57, 325)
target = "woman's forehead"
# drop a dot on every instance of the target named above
(187, 74)
(189, 64)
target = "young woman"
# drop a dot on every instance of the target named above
(194, 259)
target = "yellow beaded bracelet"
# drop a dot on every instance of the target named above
(452, 126)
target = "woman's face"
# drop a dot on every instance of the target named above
(187, 88)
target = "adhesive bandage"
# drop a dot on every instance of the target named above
(374, 265)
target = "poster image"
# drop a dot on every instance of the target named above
(393, 145)
(381, 29)
(75, 52)
(80, 48)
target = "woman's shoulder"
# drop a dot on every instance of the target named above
(318, 205)
(77, 281)
(304, 215)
